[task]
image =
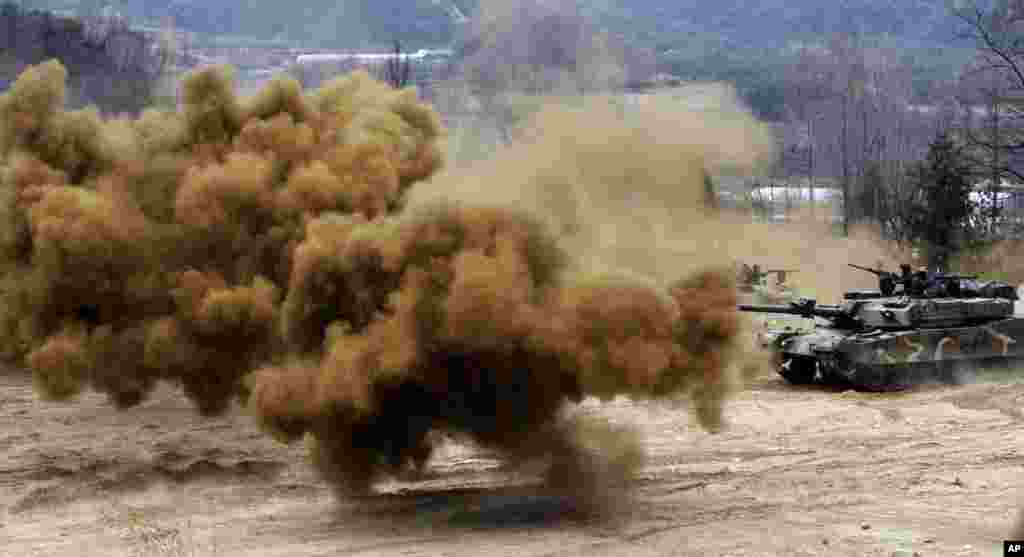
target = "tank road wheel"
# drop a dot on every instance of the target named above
(879, 379)
(948, 370)
(953, 372)
(798, 371)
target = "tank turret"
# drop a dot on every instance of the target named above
(924, 284)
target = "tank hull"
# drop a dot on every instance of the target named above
(896, 360)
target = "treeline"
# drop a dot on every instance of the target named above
(108, 65)
(750, 44)
(928, 167)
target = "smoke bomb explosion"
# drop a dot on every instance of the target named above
(263, 250)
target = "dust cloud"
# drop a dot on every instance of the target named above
(619, 184)
(520, 57)
(818, 256)
(267, 250)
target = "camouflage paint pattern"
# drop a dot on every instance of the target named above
(890, 343)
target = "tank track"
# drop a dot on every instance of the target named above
(805, 370)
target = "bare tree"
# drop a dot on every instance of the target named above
(851, 118)
(806, 89)
(398, 68)
(848, 81)
(516, 51)
(829, 100)
(998, 32)
(983, 129)
(165, 90)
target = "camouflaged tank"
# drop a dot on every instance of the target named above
(935, 328)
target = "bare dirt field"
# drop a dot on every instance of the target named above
(798, 472)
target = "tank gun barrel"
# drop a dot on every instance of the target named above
(804, 308)
(877, 272)
(789, 310)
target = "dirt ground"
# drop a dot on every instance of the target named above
(798, 472)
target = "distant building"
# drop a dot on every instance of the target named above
(421, 54)
(655, 82)
(773, 201)
(1010, 201)
(794, 194)
(313, 69)
(777, 199)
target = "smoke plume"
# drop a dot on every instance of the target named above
(300, 252)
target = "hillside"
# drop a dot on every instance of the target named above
(745, 42)
(775, 22)
(323, 23)
(751, 42)
(109, 66)
(654, 23)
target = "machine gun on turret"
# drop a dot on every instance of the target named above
(887, 280)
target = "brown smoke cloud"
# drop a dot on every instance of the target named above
(268, 250)
(161, 248)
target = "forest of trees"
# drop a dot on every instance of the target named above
(904, 160)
